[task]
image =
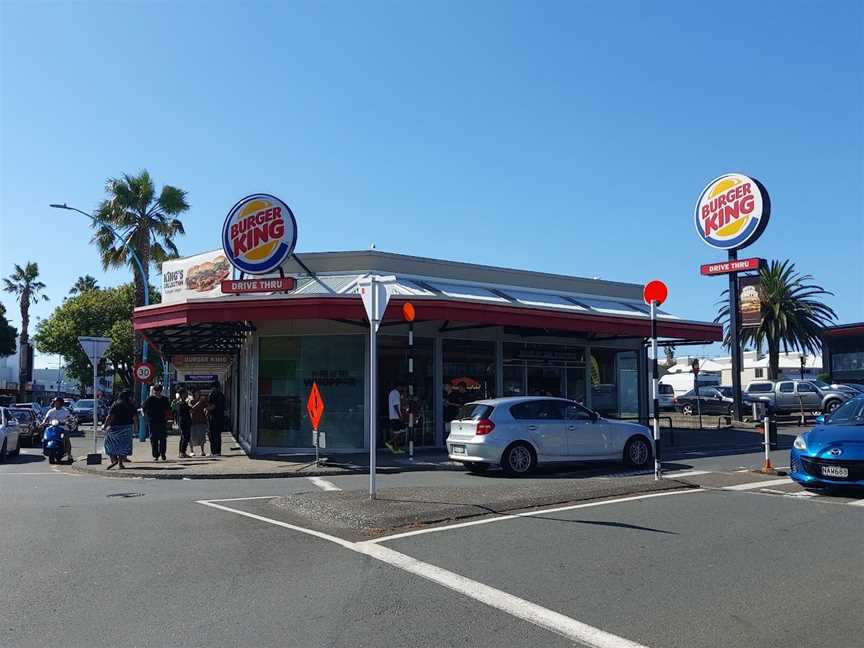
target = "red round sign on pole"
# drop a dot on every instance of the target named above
(408, 312)
(655, 291)
(144, 372)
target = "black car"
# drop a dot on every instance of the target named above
(30, 428)
(710, 400)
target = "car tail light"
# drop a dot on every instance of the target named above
(484, 426)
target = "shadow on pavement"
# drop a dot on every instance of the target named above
(25, 459)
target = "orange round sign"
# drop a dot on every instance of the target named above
(408, 312)
(655, 291)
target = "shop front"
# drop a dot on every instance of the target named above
(480, 332)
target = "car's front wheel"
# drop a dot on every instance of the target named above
(831, 406)
(687, 410)
(519, 460)
(637, 452)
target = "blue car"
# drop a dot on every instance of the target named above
(831, 455)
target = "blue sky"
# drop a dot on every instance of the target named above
(568, 137)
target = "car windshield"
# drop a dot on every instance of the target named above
(84, 404)
(849, 413)
(726, 391)
(21, 412)
(820, 384)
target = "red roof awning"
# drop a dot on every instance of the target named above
(341, 307)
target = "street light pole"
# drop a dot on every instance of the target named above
(145, 280)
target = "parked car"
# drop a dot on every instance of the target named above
(83, 411)
(29, 424)
(682, 383)
(10, 434)
(36, 407)
(791, 396)
(708, 400)
(665, 397)
(831, 455)
(518, 433)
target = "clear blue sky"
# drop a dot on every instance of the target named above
(569, 137)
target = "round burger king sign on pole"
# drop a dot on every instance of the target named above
(259, 233)
(732, 211)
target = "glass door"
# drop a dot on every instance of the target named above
(545, 381)
(576, 384)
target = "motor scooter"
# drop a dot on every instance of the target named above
(54, 442)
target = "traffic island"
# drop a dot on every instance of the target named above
(352, 514)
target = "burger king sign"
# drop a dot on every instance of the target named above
(259, 233)
(732, 211)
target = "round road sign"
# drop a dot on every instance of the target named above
(144, 372)
(655, 291)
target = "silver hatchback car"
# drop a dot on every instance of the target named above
(521, 432)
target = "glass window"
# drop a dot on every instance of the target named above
(578, 413)
(514, 380)
(475, 412)
(468, 374)
(287, 367)
(544, 370)
(805, 387)
(666, 390)
(760, 373)
(393, 372)
(604, 391)
(849, 413)
(787, 387)
(760, 388)
(534, 410)
(708, 392)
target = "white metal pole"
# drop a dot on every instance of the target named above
(767, 463)
(95, 405)
(654, 394)
(373, 392)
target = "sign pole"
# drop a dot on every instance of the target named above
(411, 391)
(373, 392)
(654, 391)
(95, 363)
(735, 338)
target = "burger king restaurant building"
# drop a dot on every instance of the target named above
(479, 332)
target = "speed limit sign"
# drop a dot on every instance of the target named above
(144, 372)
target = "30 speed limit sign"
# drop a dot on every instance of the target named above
(144, 372)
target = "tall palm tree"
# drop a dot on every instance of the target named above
(24, 284)
(83, 284)
(147, 223)
(793, 314)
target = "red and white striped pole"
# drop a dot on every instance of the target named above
(654, 293)
(409, 314)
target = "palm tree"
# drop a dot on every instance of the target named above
(146, 222)
(793, 314)
(24, 284)
(84, 284)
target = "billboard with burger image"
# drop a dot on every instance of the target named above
(194, 277)
(750, 300)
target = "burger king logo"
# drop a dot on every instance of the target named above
(732, 211)
(259, 233)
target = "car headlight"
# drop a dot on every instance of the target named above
(800, 444)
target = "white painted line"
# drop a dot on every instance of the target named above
(238, 499)
(502, 518)
(323, 484)
(495, 598)
(857, 503)
(513, 605)
(755, 485)
(30, 474)
(687, 473)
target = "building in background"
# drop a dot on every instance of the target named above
(753, 367)
(843, 353)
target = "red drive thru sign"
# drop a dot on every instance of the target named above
(315, 406)
(727, 267)
(273, 284)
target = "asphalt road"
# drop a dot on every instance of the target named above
(89, 561)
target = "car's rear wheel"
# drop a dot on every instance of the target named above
(519, 460)
(477, 468)
(637, 452)
(687, 410)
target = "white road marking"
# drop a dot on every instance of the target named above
(761, 484)
(502, 518)
(687, 473)
(239, 499)
(858, 503)
(30, 474)
(495, 598)
(323, 484)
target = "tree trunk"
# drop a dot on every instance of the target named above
(24, 347)
(773, 359)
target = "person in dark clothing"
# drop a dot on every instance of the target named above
(183, 416)
(158, 410)
(215, 419)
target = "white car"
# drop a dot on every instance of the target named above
(10, 435)
(520, 433)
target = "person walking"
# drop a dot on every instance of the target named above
(183, 416)
(395, 413)
(215, 419)
(158, 409)
(118, 438)
(198, 416)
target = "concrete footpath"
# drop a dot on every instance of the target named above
(234, 464)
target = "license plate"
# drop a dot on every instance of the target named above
(835, 471)
(458, 449)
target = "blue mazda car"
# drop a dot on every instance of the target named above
(831, 455)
